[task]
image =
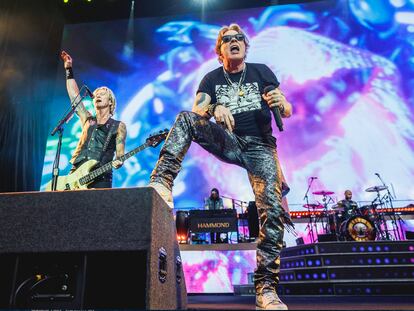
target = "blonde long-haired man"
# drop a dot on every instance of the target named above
(102, 136)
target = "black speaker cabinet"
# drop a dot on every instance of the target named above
(329, 237)
(409, 235)
(89, 249)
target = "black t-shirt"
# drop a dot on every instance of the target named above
(251, 113)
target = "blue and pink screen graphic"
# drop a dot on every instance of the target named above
(346, 66)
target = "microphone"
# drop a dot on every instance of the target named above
(377, 174)
(275, 110)
(314, 177)
(90, 94)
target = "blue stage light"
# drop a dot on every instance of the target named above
(362, 249)
(354, 249)
(327, 261)
(323, 275)
(307, 276)
(377, 261)
(333, 275)
(310, 263)
(378, 248)
(369, 261)
(370, 249)
(299, 276)
(386, 260)
(315, 276)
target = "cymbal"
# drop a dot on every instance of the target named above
(313, 206)
(323, 192)
(376, 188)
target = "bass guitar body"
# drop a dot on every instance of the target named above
(72, 181)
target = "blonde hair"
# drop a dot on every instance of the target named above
(112, 98)
(222, 31)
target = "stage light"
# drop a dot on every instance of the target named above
(65, 1)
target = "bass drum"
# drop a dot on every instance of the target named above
(358, 228)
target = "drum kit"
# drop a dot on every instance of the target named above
(350, 222)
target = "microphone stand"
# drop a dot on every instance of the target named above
(59, 129)
(310, 224)
(396, 226)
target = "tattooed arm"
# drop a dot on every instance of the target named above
(222, 115)
(201, 103)
(72, 88)
(120, 145)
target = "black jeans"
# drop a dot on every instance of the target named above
(258, 156)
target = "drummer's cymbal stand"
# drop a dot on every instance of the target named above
(381, 223)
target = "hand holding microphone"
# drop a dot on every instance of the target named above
(274, 100)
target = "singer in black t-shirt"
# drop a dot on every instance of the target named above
(234, 95)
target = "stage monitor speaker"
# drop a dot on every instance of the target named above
(409, 235)
(89, 249)
(327, 237)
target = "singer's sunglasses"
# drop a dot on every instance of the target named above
(228, 38)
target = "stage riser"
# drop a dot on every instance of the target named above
(350, 273)
(371, 259)
(345, 268)
(324, 289)
(354, 289)
(348, 247)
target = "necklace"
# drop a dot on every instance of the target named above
(234, 84)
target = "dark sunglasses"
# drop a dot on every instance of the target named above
(228, 38)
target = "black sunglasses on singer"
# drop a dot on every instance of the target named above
(228, 38)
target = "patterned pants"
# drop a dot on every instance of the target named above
(255, 155)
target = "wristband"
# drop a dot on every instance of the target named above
(69, 73)
(211, 108)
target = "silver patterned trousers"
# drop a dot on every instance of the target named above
(255, 154)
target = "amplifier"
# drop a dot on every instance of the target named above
(224, 220)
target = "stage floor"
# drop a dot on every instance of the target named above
(231, 302)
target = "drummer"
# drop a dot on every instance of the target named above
(348, 205)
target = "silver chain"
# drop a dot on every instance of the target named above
(240, 91)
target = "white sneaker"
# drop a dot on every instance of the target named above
(164, 192)
(269, 300)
